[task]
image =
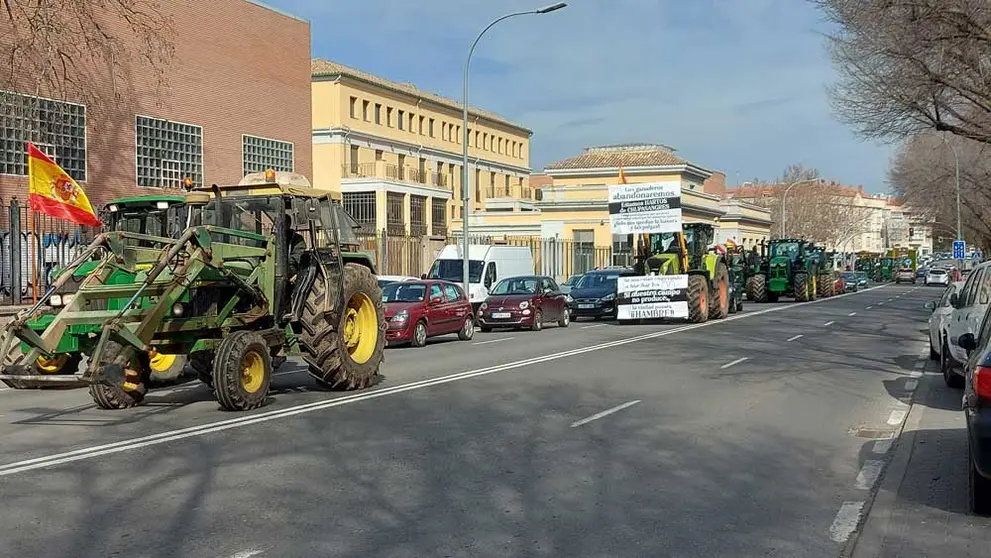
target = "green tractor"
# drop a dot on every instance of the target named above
(262, 274)
(711, 292)
(825, 282)
(150, 215)
(789, 268)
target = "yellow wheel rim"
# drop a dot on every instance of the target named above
(252, 372)
(160, 362)
(52, 365)
(361, 328)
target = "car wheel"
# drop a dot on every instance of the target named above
(419, 334)
(467, 330)
(565, 320)
(538, 321)
(980, 487)
(950, 378)
(933, 355)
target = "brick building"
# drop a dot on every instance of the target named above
(236, 99)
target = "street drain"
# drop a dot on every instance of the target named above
(872, 432)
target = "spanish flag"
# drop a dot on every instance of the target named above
(53, 192)
(622, 175)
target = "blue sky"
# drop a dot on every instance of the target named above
(733, 85)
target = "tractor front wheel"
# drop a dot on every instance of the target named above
(132, 391)
(242, 371)
(720, 301)
(825, 284)
(801, 287)
(698, 299)
(757, 288)
(346, 354)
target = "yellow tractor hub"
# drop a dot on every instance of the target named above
(159, 362)
(52, 365)
(252, 371)
(361, 328)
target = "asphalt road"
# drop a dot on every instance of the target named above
(748, 436)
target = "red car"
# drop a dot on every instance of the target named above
(418, 310)
(528, 301)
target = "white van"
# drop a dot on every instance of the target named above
(487, 265)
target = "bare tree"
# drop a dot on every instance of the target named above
(911, 65)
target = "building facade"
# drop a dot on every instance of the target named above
(395, 153)
(211, 120)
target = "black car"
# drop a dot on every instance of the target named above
(595, 294)
(977, 414)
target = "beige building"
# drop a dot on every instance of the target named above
(572, 204)
(395, 153)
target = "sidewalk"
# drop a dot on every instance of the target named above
(921, 508)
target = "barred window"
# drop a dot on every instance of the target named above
(417, 215)
(168, 152)
(361, 206)
(394, 221)
(438, 209)
(57, 128)
(260, 154)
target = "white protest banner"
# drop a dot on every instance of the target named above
(649, 207)
(652, 296)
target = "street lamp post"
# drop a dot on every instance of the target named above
(956, 159)
(465, 194)
(784, 198)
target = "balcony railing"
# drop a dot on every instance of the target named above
(388, 171)
(514, 191)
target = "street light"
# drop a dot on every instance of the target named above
(465, 196)
(784, 198)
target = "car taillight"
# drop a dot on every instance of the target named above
(982, 382)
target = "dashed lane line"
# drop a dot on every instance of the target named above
(605, 413)
(846, 521)
(794, 337)
(494, 341)
(852, 314)
(735, 362)
(129, 444)
(868, 474)
(868, 308)
(593, 325)
(882, 446)
(829, 323)
(896, 417)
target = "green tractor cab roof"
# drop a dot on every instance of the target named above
(273, 183)
(145, 201)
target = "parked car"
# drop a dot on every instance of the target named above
(570, 283)
(937, 276)
(850, 281)
(839, 283)
(595, 295)
(388, 279)
(862, 279)
(418, 310)
(905, 275)
(922, 272)
(977, 414)
(970, 304)
(487, 265)
(526, 301)
(939, 320)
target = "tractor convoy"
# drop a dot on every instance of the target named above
(234, 278)
(793, 268)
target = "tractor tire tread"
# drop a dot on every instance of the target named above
(113, 397)
(757, 288)
(227, 370)
(697, 289)
(719, 308)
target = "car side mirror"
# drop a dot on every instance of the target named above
(423, 276)
(931, 305)
(435, 300)
(967, 342)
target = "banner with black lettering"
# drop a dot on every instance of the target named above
(649, 207)
(652, 296)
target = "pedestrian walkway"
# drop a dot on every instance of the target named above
(922, 506)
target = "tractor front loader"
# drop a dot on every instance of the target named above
(261, 278)
(788, 269)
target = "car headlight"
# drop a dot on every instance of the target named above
(569, 299)
(483, 306)
(400, 317)
(524, 305)
(55, 300)
(608, 298)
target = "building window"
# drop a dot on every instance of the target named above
(168, 152)
(421, 130)
(622, 253)
(457, 134)
(401, 120)
(378, 113)
(361, 206)
(417, 215)
(378, 154)
(259, 154)
(583, 251)
(388, 116)
(443, 131)
(394, 222)
(354, 107)
(364, 110)
(431, 127)
(476, 140)
(507, 185)
(485, 141)
(438, 216)
(500, 146)
(478, 184)
(57, 128)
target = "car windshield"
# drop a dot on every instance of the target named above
(937, 272)
(404, 292)
(573, 280)
(516, 286)
(598, 281)
(453, 270)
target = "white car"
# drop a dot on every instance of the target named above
(970, 304)
(938, 276)
(942, 311)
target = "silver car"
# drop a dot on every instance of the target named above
(942, 311)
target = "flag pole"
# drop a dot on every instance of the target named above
(31, 254)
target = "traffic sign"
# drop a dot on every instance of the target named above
(959, 249)
(907, 262)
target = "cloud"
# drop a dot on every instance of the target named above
(735, 86)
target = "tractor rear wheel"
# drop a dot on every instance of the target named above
(698, 299)
(825, 284)
(720, 300)
(242, 371)
(132, 391)
(800, 287)
(347, 354)
(757, 288)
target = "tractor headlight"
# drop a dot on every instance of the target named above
(524, 305)
(55, 300)
(178, 310)
(67, 299)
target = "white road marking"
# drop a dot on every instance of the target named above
(881, 447)
(868, 474)
(880, 303)
(593, 325)
(896, 417)
(737, 361)
(846, 521)
(605, 413)
(852, 314)
(829, 323)
(868, 308)
(246, 553)
(493, 341)
(911, 384)
(242, 421)
(795, 337)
